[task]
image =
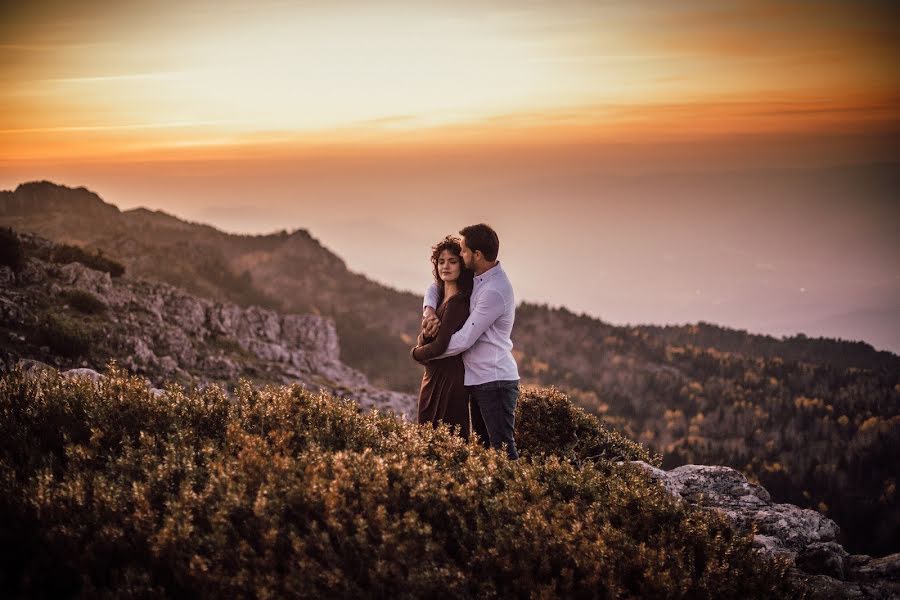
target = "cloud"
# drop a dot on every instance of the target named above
(150, 76)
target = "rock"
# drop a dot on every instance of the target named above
(661, 477)
(821, 587)
(82, 373)
(7, 277)
(718, 486)
(884, 568)
(140, 353)
(823, 558)
(77, 275)
(184, 311)
(33, 367)
(793, 526)
(773, 547)
(808, 540)
(787, 528)
(168, 364)
(32, 273)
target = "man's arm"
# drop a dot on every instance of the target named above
(431, 297)
(489, 308)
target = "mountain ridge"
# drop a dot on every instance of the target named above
(147, 216)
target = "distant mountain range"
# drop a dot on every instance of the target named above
(817, 421)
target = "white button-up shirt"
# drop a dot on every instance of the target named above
(484, 339)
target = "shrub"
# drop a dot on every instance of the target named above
(66, 336)
(64, 253)
(83, 301)
(11, 253)
(547, 423)
(110, 491)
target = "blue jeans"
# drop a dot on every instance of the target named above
(493, 406)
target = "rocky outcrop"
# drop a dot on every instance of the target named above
(806, 538)
(165, 333)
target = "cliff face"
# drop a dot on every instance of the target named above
(165, 333)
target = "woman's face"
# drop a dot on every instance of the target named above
(449, 266)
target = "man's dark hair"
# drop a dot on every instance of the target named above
(482, 237)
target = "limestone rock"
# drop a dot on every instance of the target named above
(807, 539)
(823, 558)
(82, 373)
(869, 569)
(77, 275)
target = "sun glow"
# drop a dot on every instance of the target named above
(312, 72)
(111, 80)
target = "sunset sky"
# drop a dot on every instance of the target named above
(644, 161)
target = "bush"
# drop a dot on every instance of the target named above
(64, 254)
(547, 423)
(110, 491)
(11, 253)
(83, 301)
(66, 336)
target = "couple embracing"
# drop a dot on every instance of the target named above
(465, 344)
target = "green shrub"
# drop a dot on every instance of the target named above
(66, 336)
(11, 253)
(109, 491)
(548, 423)
(83, 301)
(64, 254)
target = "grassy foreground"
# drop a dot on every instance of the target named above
(109, 491)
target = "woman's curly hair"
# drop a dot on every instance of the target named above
(466, 276)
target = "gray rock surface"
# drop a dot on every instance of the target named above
(82, 373)
(804, 537)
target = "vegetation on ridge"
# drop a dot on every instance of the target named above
(815, 434)
(111, 491)
(813, 420)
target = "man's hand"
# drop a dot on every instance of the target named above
(430, 322)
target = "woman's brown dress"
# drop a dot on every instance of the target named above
(443, 396)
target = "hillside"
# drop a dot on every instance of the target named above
(814, 434)
(287, 272)
(814, 420)
(63, 308)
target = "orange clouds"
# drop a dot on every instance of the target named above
(162, 81)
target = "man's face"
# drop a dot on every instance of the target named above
(467, 256)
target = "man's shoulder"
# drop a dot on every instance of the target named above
(498, 292)
(500, 283)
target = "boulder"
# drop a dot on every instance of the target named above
(82, 373)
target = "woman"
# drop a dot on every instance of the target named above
(443, 397)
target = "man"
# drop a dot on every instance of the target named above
(492, 378)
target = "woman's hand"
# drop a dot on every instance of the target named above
(430, 322)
